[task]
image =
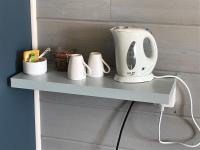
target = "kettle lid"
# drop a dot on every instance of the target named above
(126, 29)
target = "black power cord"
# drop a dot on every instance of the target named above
(122, 127)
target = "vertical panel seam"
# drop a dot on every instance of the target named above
(111, 10)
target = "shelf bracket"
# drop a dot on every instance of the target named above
(37, 120)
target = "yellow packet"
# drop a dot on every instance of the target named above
(27, 55)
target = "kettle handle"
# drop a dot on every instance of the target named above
(154, 47)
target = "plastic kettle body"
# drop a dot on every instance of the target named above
(133, 63)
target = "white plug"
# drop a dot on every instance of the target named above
(172, 97)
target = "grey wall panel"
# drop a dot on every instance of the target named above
(183, 101)
(152, 11)
(101, 127)
(81, 123)
(58, 144)
(179, 47)
(157, 11)
(86, 36)
(74, 9)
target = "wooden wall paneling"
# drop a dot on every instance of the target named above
(86, 36)
(74, 9)
(101, 127)
(80, 122)
(58, 144)
(185, 12)
(179, 46)
(183, 101)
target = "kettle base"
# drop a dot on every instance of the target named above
(132, 79)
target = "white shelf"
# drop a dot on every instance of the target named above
(156, 91)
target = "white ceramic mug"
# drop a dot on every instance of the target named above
(96, 63)
(77, 67)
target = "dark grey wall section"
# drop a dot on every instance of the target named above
(16, 106)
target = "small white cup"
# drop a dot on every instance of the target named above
(76, 67)
(96, 63)
(35, 68)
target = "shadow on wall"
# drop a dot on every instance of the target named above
(105, 128)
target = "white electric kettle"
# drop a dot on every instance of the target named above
(134, 60)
